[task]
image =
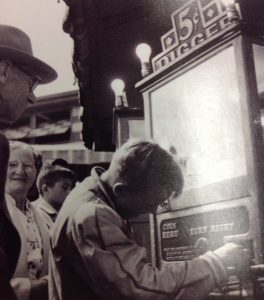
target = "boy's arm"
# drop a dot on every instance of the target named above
(116, 267)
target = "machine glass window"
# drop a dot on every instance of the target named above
(199, 114)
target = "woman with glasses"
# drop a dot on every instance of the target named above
(30, 278)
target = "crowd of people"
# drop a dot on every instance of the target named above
(75, 241)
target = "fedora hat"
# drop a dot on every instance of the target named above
(15, 45)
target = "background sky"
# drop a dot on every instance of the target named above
(42, 20)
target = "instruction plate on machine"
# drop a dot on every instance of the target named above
(179, 235)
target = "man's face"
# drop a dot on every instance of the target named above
(132, 203)
(15, 93)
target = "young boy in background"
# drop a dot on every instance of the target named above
(54, 183)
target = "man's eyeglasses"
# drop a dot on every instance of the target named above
(34, 80)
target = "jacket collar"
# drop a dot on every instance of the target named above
(96, 172)
(44, 205)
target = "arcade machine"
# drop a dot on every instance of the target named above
(204, 102)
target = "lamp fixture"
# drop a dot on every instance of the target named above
(118, 86)
(143, 51)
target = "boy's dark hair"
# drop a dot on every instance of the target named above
(51, 173)
(60, 162)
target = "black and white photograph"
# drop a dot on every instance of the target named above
(132, 150)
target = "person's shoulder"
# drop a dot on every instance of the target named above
(87, 210)
(96, 211)
(81, 188)
(43, 218)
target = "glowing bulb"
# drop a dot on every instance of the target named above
(143, 51)
(228, 2)
(118, 86)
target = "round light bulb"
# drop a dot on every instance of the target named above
(228, 2)
(118, 86)
(143, 51)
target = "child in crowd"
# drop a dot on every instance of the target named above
(54, 183)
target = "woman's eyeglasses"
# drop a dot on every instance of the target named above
(25, 165)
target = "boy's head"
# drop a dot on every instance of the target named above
(143, 176)
(54, 183)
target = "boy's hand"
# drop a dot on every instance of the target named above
(230, 254)
(234, 257)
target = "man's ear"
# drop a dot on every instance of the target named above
(118, 188)
(4, 70)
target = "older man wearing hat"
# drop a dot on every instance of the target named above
(20, 73)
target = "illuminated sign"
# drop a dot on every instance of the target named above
(194, 25)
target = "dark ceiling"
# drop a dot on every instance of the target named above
(105, 35)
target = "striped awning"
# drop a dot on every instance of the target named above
(17, 133)
(44, 129)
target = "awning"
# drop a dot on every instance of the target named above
(17, 133)
(73, 153)
(44, 129)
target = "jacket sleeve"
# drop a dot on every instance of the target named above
(116, 267)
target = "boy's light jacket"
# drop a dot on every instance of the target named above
(93, 257)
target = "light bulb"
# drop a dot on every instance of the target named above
(228, 2)
(118, 86)
(143, 51)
